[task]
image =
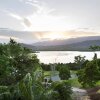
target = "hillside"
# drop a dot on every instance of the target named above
(79, 46)
(66, 41)
(34, 48)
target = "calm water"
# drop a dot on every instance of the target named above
(63, 56)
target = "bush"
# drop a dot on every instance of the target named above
(62, 90)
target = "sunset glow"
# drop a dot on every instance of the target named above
(55, 35)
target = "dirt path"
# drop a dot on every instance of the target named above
(80, 94)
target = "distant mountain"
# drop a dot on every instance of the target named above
(66, 41)
(80, 46)
(34, 48)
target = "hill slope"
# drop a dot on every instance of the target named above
(81, 46)
(66, 41)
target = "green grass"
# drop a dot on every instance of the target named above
(75, 83)
(50, 73)
(98, 83)
(73, 71)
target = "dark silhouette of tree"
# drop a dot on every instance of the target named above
(79, 61)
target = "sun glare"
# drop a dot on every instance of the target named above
(54, 35)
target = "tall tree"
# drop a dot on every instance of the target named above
(15, 62)
(64, 71)
(79, 60)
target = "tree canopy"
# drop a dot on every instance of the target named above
(15, 62)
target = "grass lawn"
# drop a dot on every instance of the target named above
(50, 73)
(75, 83)
(73, 71)
(74, 80)
(98, 83)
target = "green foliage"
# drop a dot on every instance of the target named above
(79, 61)
(5, 93)
(64, 71)
(32, 89)
(25, 87)
(62, 90)
(75, 83)
(46, 67)
(90, 74)
(15, 62)
(21, 77)
(50, 73)
(5, 96)
(3, 89)
(94, 48)
(29, 88)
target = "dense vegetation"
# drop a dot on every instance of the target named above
(15, 63)
(89, 75)
(22, 78)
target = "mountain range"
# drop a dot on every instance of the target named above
(73, 44)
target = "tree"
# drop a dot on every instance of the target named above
(94, 48)
(89, 75)
(64, 71)
(62, 90)
(79, 61)
(46, 67)
(15, 62)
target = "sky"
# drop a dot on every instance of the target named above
(38, 20)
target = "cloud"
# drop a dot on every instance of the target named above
(23, 20)
(27, 22)
(15, 16)
(78, 33)
(65, 35)
(87, 29)
(43, 20)
(7, 38)
(41, 7)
